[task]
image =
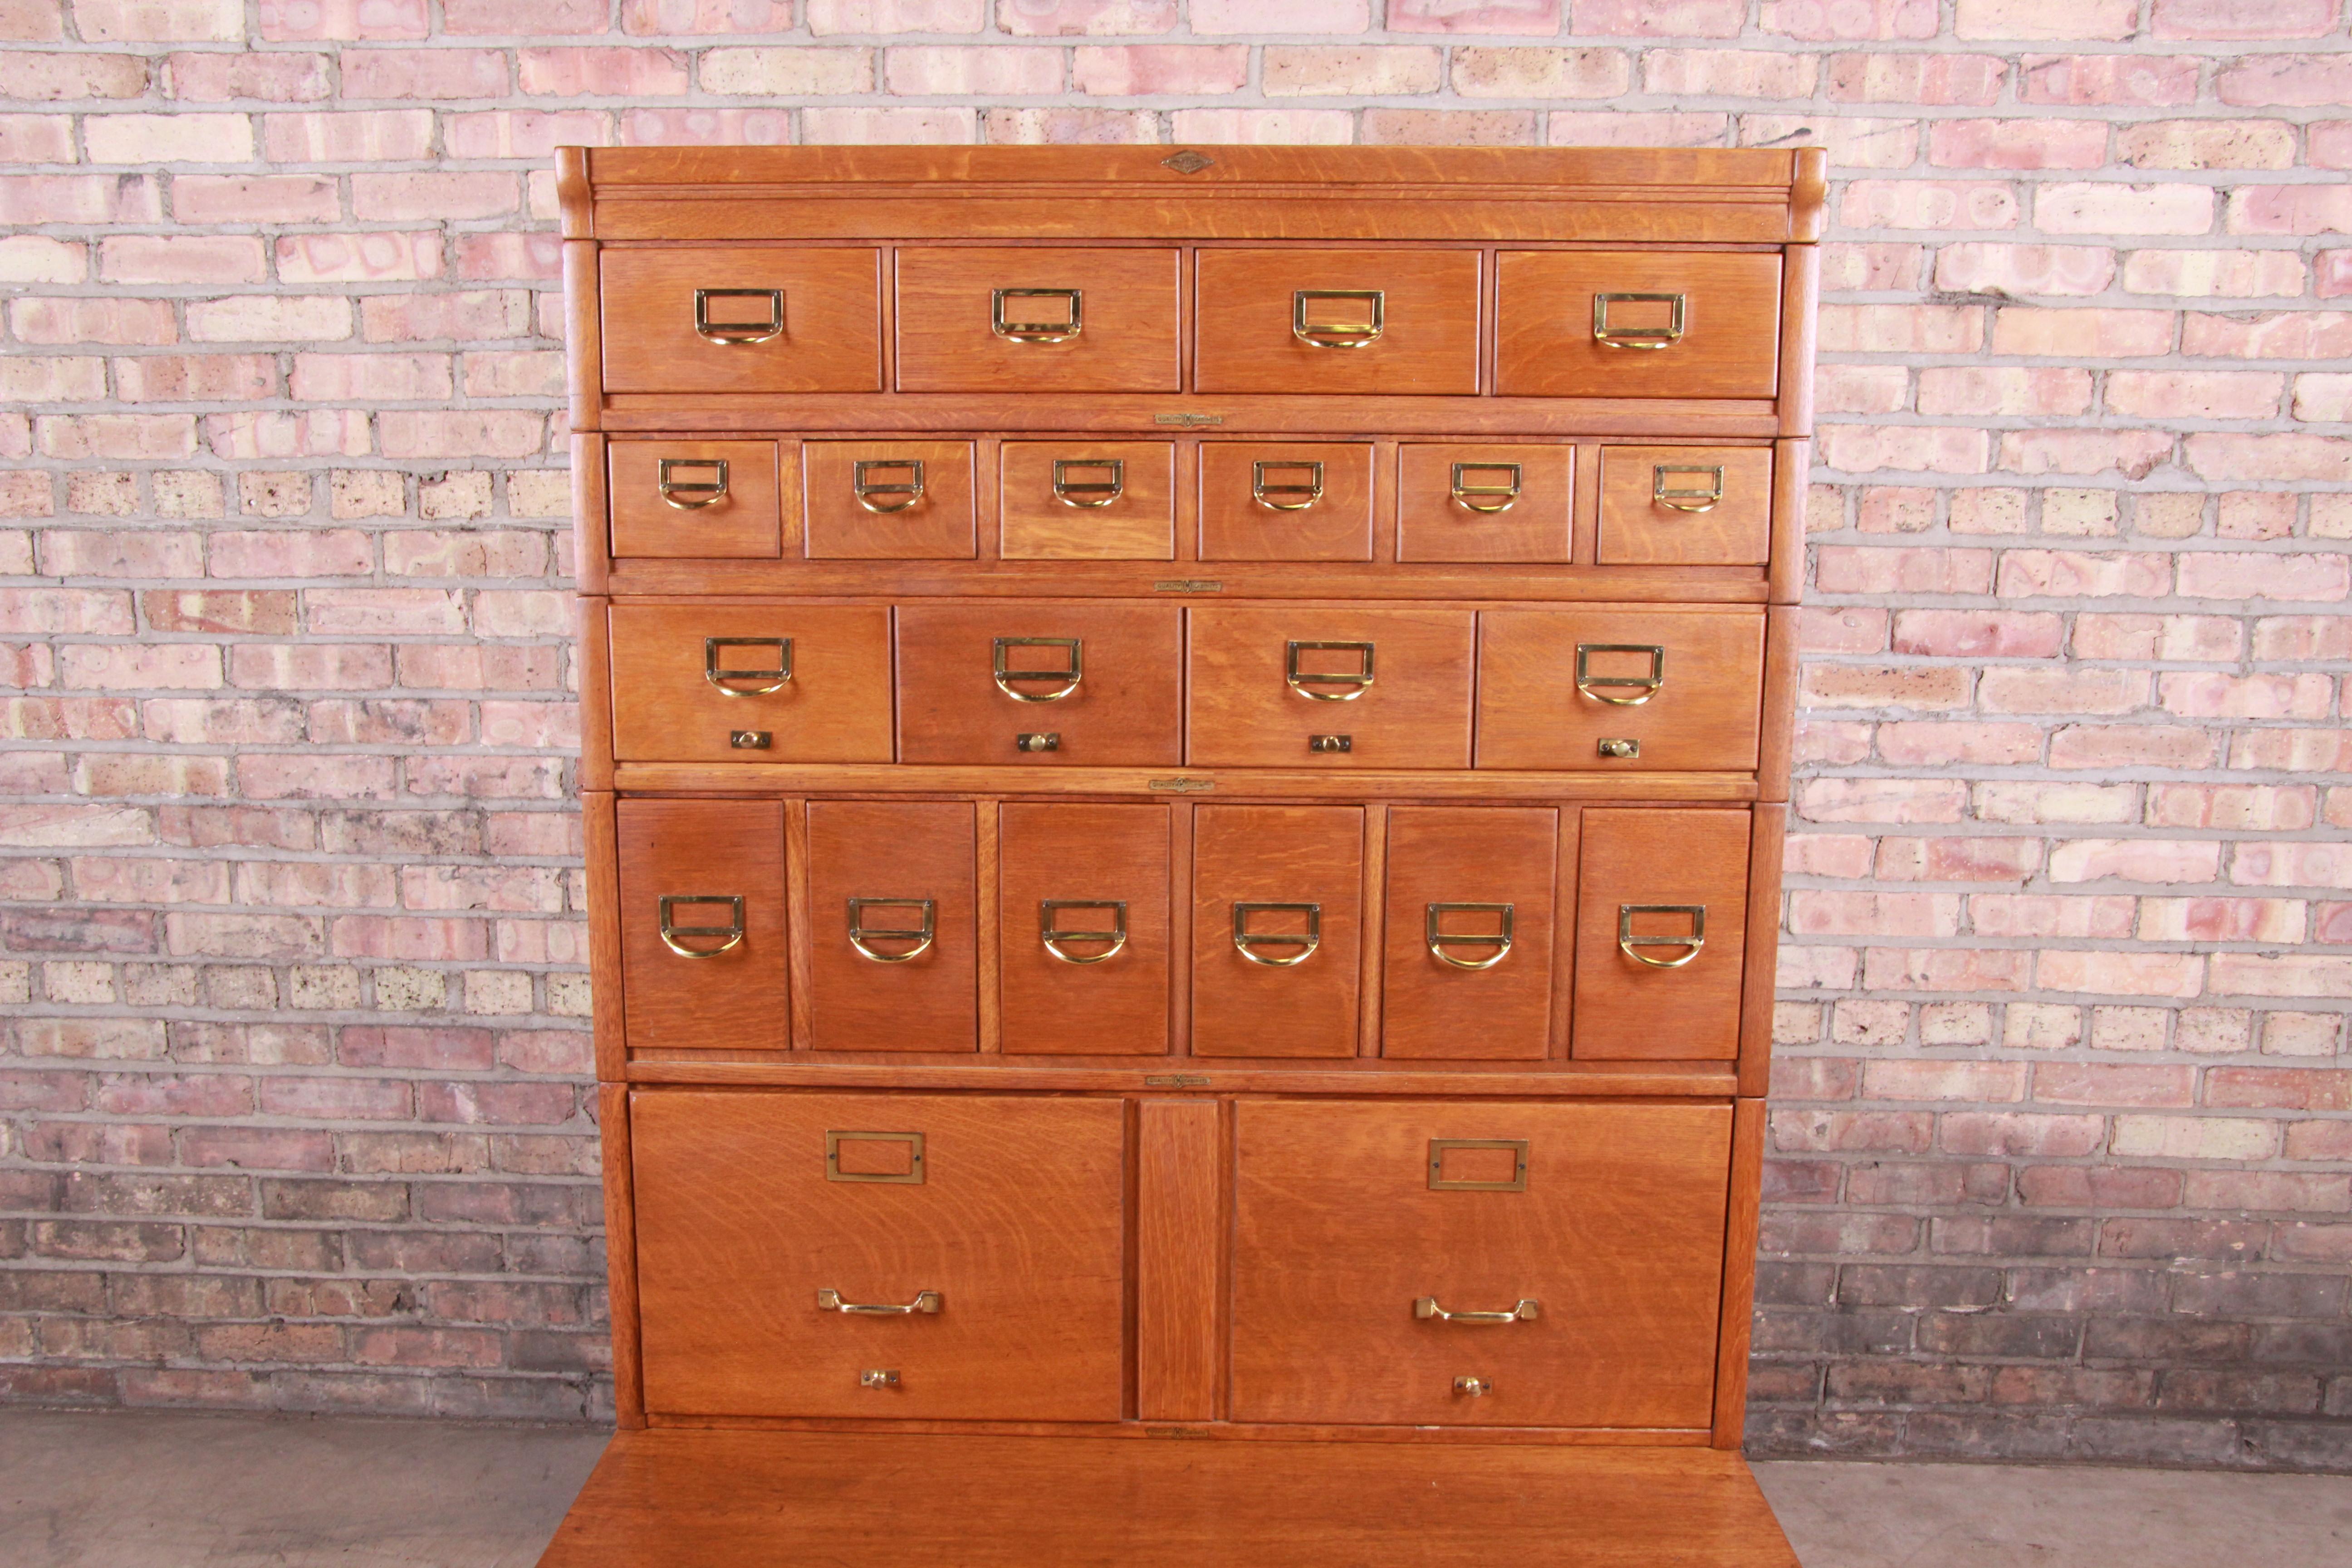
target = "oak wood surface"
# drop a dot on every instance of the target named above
(1768, 845)
(835, 709)
(882, 780)
(1729, 346)
(1180, 1261)
(1126, 710)
(893, 849)
(1435, 524)
(583, 347)
(593, 666)
(1362, 1076)
(1137, 525)
(1115, 1005)
(600, 847)
(942, 524)
(1482, 855)
(1245, 315)
(1247, 712)
(1285, 854)
(621, 1255)
(1800, 286)
(746, 522)
(1689, 856)
(1740, 1235)
(1785, 572)
(1127, 336)
(1237, 526)
(832, 332)
(1775, 742)
(703, 848)
(1016, 1223)
(1705, 713)
(1638, 530)
(591, 553)
(1618, 1236)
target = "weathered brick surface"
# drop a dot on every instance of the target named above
(292, 1080)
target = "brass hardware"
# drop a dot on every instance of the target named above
(886, 1378)
(1622, 748)
(1188, 162)
(1439, 940)
(1357, 681)
(1098, 493)
(1664, 337)
(1050, 932)
(1181, 785)
(686, 496)
(860, 933)
(1473, 1386)
(1589, 683)
(1628, 943)
(1246, 941)
(671, 931)
(1036, 331)
(735, 334)
(719, 675)
(750, 739)
(1188, 585)
(1175, 1080)
(924, 1301)
(1327, 743)
(1427, 1309)
(1440, 1182)
(866, 489)
(1190, 421)
(1485, 503)
(1336, 334)
(1049, 740)
(1069, 678)
(912, 1176)
(1686, 500)
(1263, 493)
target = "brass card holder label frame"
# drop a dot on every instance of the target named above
(1631, 944)
(1592, 685)
(1264, 493)
(1483, 499)
(1689, 500)
(688, 495)
(1050, 932)
(864, 486)
(718, 674)
(1090, 494)
(739, 334)
(911, 1177)
(1069, 678)
(1357, 681)
(1060, 331)
(1438, 938)
(674, 935)
(1246, 942)
(1665, 337)
(922, 936)
(1440, 1182)
(1339, 335)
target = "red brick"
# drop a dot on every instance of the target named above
(2231, 20)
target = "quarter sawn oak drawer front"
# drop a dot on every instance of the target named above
(759, 318)
(890, 500)
(1623, 688)
(1019, 681)
(1290, 500)
(894, 929)
(1317, 320)
(1662, 932)
(880, 1256)
(1330, 687)
(1478, 1264)
(1083, 927)
(801, 683)
(1484, 502)
(1471, 930)
(1686, 506)
(1042, 320)
(1078, 499)
(1611, 323)
(705, 499)
(702, 922)
(1277, 901)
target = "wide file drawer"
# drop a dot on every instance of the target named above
(1321, 688)
(1041, 319)
(1637, 323)
(1021, 681)
(1630, 690)
(742, 318)
(909, 1256)
(1662, 932)
(702, 923)
(1478, 1263)
(777, 683)
(1313, 320)
(696, 500)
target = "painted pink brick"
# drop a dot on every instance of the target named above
(344, 21)
(1658, 18)
(667, 19)
(1536, 18)
(424, 73)
(2232, 20)
(1136, 70)
(525, 18)
(2017, 144)
(2137, 79)
(1085, 18)
(2006, 19)
(414, 195)
(278, 77)
(1939, 79)
(1290, 16)
(1929, 205)
(1849, 21)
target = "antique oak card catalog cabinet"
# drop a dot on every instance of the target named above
(1184, 762)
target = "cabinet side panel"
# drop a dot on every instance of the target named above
(621, 1256)
(1739, 1272)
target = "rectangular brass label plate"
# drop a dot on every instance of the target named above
(1438, 1183)
(1174, 1080)
(1187, 420)
(911, 1176)
(1188, 585)
(1181, 786)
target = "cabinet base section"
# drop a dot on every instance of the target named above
(778, 1499)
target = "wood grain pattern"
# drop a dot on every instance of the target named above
(941, 524)
(1800, 286)
(1127, 337)
(1053, 1006)
(1355, 1076)
(592, 544)
(1245, 712)
(1244, 310)
(1180, 1260)
(1127, 710)
(1705, 714)
(736, 1000)
(600, 845)
(1016, 1223)
(621, 1256)
(1277, 854)
(1138, 524)
(1154, 784)
(1792, 469)
(1729, 346)
(1484, 854)
(1637, 530)
(1775, 742)
(592, 655)
(835, 709)
(1433, 523)
(583, 337)
(1235, 525)
(1748, 1125)
(892, 849)
(1618, 1236)
(1768, 842)
(746, 522)
(831, 307)
(1695, 856)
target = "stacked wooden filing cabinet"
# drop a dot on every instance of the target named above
(1184, 759)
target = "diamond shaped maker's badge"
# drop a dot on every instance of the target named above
(1189, 162)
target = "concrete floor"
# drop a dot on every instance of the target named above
(182, 1489)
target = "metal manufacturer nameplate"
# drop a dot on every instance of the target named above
(1174, 1080)
(1189, 585)
(1181, 786)
(1188, 419)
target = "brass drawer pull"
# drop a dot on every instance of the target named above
(736, 334)
(1647, 685)
(720, 676)
(688, 496)
(1094, 492)
(1664, 337)
(1622, 748)
(674, 935)
(1482, 498)
(1439, 940)
(1357, 681)
(1060, 331)
(1336, 334)
(924, 1301)
(860, 933)
(1631, 944)
(1686, 500)
(1247, 941)
(1296, 497)
(1427, 1309)
(1037, 740)
(1049, 930)
(866, 489)
(1069, 678)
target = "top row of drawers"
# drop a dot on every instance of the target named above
(1564, 323)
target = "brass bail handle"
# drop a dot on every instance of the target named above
(689, 495)
(737, 334)
(1248, 941)
(1066, 678)
(1599, 687)
(722, 677)
(1336, 334)
(1060, 331)
(1486, 498)
(1355, 682)
(1620, 337)
(1286, 497)
(1631, 945)
(1524, 1310)
(896, 497)
(674, 936)
(1050, 931)
(922, 936)
(1439, 940)
(1089, 493)
(1686, 500)
(924, 1301)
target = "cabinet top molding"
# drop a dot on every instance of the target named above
(1687, 195)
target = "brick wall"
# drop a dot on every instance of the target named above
(291, 1107)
